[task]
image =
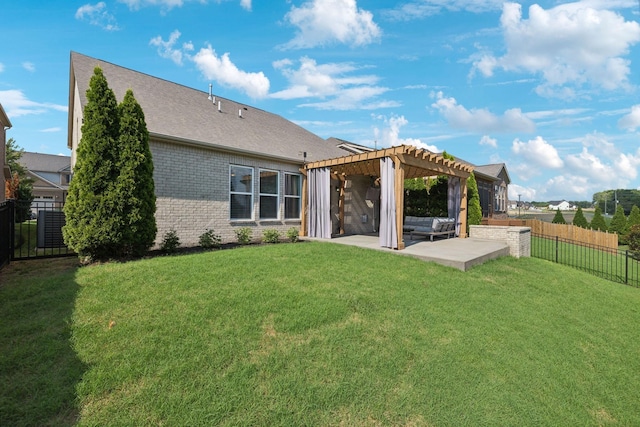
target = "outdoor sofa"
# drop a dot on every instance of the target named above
(429, 226)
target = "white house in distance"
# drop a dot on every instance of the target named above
(51, 175)
(561, 205)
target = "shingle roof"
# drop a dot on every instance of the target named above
(4, 119)
(184, 114)
(37, 162)
(493, 170)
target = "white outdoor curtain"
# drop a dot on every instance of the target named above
(388, 231)
(453, 201)
(319, 214)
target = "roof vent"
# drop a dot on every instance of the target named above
(210, 93)
(220, 106)
(240, 113)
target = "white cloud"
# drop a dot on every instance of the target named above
(389, 136)
(481, 120)
(335, 81)
(97, 15)
(425, 8)
(51, 130)
(170, 4)
(488, 141)
(167, 4)
(213, 67)
(16, 104)
(525, 193)
(598, 165)
(572, 187)
(1, 67)
(537, 153)
(167, 50)
(571, 45)
(324, 22)
(29, 66)
(225, 72)
(631, 121)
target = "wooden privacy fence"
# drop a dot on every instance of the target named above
(564, 231)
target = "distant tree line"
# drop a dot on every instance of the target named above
(625, 226)
(606, 200)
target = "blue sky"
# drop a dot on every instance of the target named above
(550, 88)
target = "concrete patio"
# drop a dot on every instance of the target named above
(457, 253)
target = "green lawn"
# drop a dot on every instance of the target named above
(316, 334)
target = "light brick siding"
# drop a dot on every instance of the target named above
(192, 192)
(518, 238)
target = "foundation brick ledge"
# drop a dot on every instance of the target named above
(517, 238)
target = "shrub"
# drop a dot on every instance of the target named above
(270, 236)
(634, 240)
(579, 220)
(170, 242)
(293, 234)
(558, 218)
(597, 222)
(244, 235)
(474, 210)
(210, 240)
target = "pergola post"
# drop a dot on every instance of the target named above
(463, 208)
(399, 196)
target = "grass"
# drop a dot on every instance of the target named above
(319, 334)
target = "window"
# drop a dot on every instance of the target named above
(269, 186)
(241, 192)
(292, 191)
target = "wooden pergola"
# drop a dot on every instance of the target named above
(409, 162)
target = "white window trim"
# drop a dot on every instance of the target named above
(242, 192)
(276, 195)
(286, 196)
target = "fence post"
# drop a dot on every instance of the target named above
(626, 267)
(556, 249)
(12, 227)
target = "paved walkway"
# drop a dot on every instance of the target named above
(458, 253)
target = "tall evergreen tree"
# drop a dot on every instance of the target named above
(634, 217)
(558, 218)
(619, 222)
(579, 219)
(135, 186)
(474, 215)
(92, 223)
(598, 222)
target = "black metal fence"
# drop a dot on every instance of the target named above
(621, 266)
(38, 231)
(6, 231)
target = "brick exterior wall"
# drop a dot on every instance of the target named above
(192, 192)
(3, 157)
(517, 238)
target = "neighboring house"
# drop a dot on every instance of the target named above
(493, 187)
(51, 175)
(561, 205)
(218, 164)
(6, 172)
